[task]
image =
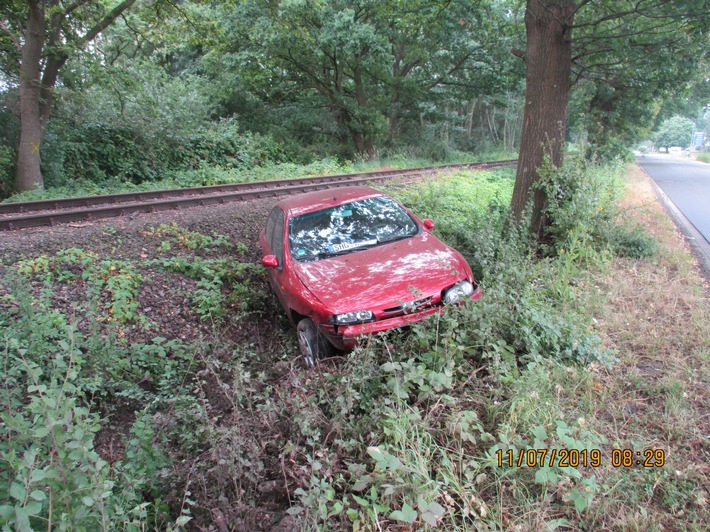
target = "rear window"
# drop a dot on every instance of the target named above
(349, 228)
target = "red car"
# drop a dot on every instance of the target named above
(351, 261)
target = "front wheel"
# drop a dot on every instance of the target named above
(312, 343)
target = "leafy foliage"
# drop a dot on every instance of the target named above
(114, 281)
(625, 64)
(676, 131)
(68, 377)
(139, 124)
(584, 215)
(357, 73)
(403, 432)
(173, 234)
(50, 467)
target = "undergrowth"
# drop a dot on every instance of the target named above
(453, 423)
(68, 370)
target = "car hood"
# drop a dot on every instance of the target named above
(383, 276)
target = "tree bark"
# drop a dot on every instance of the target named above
(29, 175)
(368, 142)
(37, 89)
(548, 25)
(392, 120)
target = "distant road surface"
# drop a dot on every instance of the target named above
(687, 184)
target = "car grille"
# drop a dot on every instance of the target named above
(408, 308)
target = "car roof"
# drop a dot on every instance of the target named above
(322, 199)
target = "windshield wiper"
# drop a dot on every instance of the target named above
(394, 239)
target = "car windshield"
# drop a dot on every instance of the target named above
(349, 227)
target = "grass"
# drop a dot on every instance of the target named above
(655, 315)
(578, 351)
(213, 175)
(203, 176)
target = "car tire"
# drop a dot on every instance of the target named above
(313, 344)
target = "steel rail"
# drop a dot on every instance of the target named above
(111, 205)
(126, 197)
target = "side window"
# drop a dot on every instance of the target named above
(274, 233)
(277, 241)
(269, 230)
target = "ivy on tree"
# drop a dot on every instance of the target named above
(589, 38)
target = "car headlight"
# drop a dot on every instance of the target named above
(458, 292)
(348, 318)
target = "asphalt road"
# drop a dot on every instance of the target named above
(687, 184)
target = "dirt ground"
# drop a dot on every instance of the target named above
(241, 222)
(164, 298)
(656, 313)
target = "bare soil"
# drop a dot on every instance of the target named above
(164, 299)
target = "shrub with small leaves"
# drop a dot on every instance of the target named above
(583, 210)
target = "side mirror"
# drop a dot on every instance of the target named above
(269, 261)
(428, 224)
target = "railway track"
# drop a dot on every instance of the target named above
(52, 212)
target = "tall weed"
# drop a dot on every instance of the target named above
(584, 212)
(421, 414)
(51, 474)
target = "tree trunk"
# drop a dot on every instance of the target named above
(548, 61)
(469, 124)
(29, 176)
(393, 119)
(358, 141)
(37, 90)
(364, 124)
(370, 147)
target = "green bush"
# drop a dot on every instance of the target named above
(631, 241)
(50, 466)
(7, 166)
(135, 123)
(63, 386)
(524, 312)
(9, 140)
(584, 215)
(99, 152)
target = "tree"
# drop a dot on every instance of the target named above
(652, 59)
(587, 37)
(326, 53)
(44, 34)
(693, 102)
(548, 61)
(676, 131)
(443, 53)
(367, 63)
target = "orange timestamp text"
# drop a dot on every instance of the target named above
(580, 458)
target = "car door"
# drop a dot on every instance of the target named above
(274, 234)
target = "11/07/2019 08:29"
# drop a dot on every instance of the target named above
(580, 458)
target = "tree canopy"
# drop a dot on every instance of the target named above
(41, 36)
(675, 131)
(629, 53)
(134, 87)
